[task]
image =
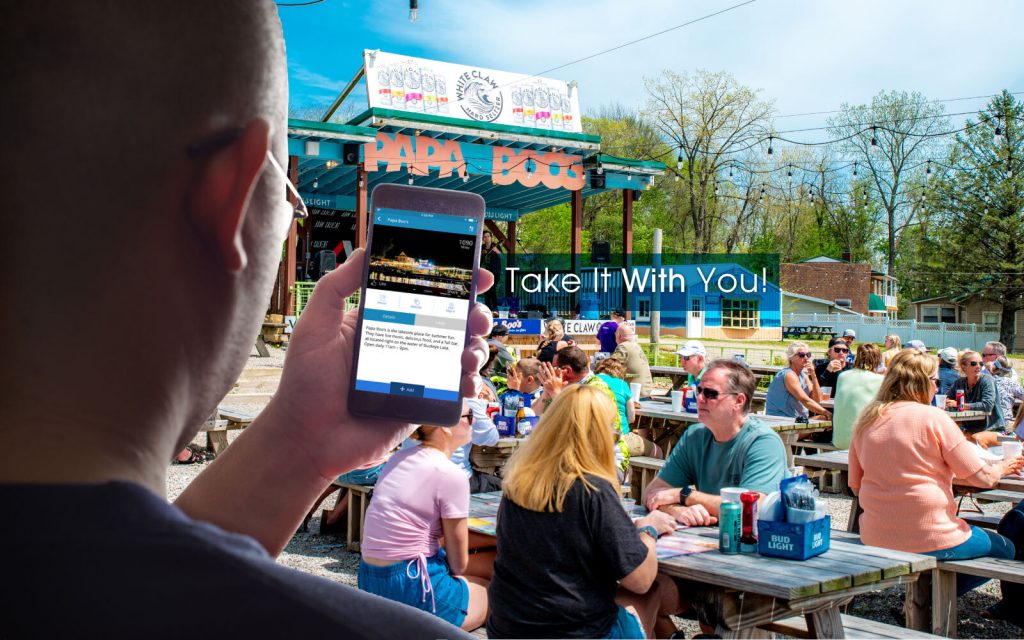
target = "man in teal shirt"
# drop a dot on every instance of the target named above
(729, 448)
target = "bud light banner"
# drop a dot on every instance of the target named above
(470, 93)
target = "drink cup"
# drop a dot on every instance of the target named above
(634, 390)
(826, 393)
(677, 401)
(940, 401)
(1011, 450)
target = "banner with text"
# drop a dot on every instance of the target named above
(472, 93)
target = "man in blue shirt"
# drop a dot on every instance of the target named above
(948, 373)
(729, 448)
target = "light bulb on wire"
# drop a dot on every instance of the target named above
(855, 169)
(316, 182)
(769, 146)
(679, 160)
(874, 138)
(414, 10)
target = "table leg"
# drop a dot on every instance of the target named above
(789, 438)
(944, 603)
(826, 623)
(853, 525)
(918, 603)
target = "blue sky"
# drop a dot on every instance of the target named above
(807, 56)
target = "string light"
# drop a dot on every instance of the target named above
(855, 169)
(414, 14)
(410, 178)
(730, 171)
(769, 146)
(874, 138)
(679, 160)
(999, 128)
(716, 187)
(316, 182)
(529, 167)
(465, 177)
(928, 171)
(600, 168)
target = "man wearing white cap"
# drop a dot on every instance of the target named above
(849, 336)
(692, 358)
(948, 373)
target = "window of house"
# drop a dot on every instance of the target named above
(740, 314)
(643, 309)
(938, 314)
(990, 320)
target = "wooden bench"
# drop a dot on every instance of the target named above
(216, 429)
(983, 520)
(642, 469)
(944, 601)
(358, 500)
(998, 495)
(831, 479)
(853, 627)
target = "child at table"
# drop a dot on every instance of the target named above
(420, 496)
(570, 562)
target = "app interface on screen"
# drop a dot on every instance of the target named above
(417, 304)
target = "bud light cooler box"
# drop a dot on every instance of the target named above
(793, 540)
(506, 426)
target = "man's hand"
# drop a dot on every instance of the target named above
(662, 498)
(661, 521)
(552, 380)
(312, 400)
(695, 516)
(1011, 467)
(513, 380)
(836, 365)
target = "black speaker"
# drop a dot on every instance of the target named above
(637, 195)
(600, 251)
(597, 180)
(350, 153)
(326, 261)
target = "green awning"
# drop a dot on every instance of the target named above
(875, 302)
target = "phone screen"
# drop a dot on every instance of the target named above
(416, 304)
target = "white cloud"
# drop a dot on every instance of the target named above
(304, 76)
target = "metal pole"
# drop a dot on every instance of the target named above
(656, 297)
(344, 94)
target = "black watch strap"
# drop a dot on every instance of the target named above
(684, 493)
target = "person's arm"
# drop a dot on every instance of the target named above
(485, 434)
(456, 543)
(662, 495)
(855, 472)
(631, 410)
(266, 481)
(641, 578)
(795, 390)
(988, 475)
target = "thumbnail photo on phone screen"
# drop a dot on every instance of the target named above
(417, 304)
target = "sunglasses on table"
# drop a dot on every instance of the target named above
(711, 394)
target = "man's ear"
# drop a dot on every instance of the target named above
(219, 196)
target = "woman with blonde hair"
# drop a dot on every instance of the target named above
(571, 563)
(854, 390)
(553, 341)
(893, 345)
(979, 393)
(903, 458)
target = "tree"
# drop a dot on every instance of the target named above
(891, 139)
(980, 202)
(708, 117)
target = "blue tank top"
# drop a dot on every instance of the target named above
(780, 402)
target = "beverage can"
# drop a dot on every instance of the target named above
(730, 527)
(960, 404)
(737, 357)
(748, 501)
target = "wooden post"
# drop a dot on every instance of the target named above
(917, 604)
(627, 244)
(944, 612)
(510, 255)
(290, 249)
(361, 207)
(577, 239)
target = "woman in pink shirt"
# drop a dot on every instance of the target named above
(421, 496)
(903, 458)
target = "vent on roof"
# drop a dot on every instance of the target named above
(843, 302)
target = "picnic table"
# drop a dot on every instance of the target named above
(738, 593)
(491, 459)
(839, 462)
(675, 422)
(679, 376)
(822, 331)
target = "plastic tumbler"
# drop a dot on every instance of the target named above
(677, 401)
(634, 390)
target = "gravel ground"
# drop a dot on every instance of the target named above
(326, 556)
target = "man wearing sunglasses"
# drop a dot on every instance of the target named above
(729, 448)
(160, 195)
(828, 370)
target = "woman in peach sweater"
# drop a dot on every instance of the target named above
(903, 458)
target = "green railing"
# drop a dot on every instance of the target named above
(303, 290)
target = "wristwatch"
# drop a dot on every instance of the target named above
(684, 493)
(649, 530)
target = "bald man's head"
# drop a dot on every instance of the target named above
(111, 230)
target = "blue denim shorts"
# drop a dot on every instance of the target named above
(627, 626)
(442, 594)
(363, 477)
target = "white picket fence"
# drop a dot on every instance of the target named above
(935, 335)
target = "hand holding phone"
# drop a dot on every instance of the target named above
(312, 399)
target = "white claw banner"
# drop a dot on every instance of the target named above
(471, 93)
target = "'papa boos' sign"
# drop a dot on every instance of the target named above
(419, 155)
(417, 85)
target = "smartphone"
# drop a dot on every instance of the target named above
(419, 284)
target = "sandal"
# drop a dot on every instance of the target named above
(193, 458)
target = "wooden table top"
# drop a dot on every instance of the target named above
(843, 567)
(757, 369)
(660, 410)
(840, 461)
